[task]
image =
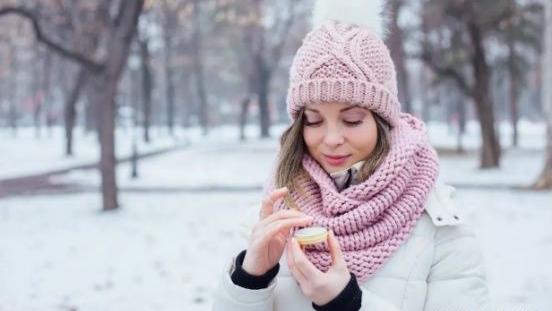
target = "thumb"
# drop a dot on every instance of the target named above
(335, 250)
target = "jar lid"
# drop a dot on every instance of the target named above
(311, 235)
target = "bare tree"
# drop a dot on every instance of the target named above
(545, 179)
(105, 83)
(263, 44)
(513, 73)
(86, 25)
(198, 64)
(104, 79)
(521, 33)
(70, 111)
(147, 85)
(466, 24)
(169, 21)
(460, 20)
(395, 42)
(13, 113)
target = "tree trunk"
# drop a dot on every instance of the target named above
(395, 42)
(461, 112)
(262, 77)
(135, 97)
(545, 179)
(91, 112)
(147, 86)
(169, 81)
(513, 96)
(47, 106)
(198, 69)
(13, 98)
(186, 92)
(262, 98)
(37, 85)
(426, 107)
(105, 84)
(490, 149)
(70, 112)
(243, 115)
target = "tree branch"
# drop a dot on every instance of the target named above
(510, 13)
(447, 71)
(278, 48)
(71, 55)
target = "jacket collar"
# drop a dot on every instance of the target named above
(441, 208)
(346, 177)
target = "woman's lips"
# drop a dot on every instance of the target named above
(336, 160)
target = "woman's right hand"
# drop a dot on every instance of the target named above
(270, 234)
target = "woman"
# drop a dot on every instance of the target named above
(353, 163)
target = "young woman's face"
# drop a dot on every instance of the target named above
(339, 135)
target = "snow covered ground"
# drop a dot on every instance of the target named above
(159, 252)
(165, 248)
(25, 154)
(33, 155)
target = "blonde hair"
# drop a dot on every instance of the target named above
(290, 171)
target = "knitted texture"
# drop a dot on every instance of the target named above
(344, 63)
(371, 219)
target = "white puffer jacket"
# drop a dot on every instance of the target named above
(439, 268)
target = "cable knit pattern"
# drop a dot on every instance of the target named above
(339, 62)
(373, 218)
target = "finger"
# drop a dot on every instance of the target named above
(292, 267)
(302, 263)
(335, 250)
(284, 214)
(268, 202)
(281, 225)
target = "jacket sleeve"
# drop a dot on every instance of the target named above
(457, 278)
(231, 297)
(371, 301)
(355, 298)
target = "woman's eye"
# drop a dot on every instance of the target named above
(352, 123)
(312, 122)
(308, 123)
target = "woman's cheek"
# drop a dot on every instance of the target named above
(363, 137)
(310, 136)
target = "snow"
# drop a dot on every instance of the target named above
(34, 156)
(519, 168)
(193, 168)
(513, 228)
(159, 252)
(25, 154)
(530, 134)
(167, 245)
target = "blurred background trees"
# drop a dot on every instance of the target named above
(181, 64)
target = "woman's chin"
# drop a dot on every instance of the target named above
(336, 168)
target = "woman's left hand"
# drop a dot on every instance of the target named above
(316, 285)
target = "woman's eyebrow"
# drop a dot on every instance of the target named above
(349, 108)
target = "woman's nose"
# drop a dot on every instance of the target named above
(334, 138)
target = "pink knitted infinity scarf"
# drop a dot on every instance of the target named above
(372, 219)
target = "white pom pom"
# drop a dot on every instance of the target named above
(366, 13)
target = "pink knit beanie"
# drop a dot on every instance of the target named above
(347, 63)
